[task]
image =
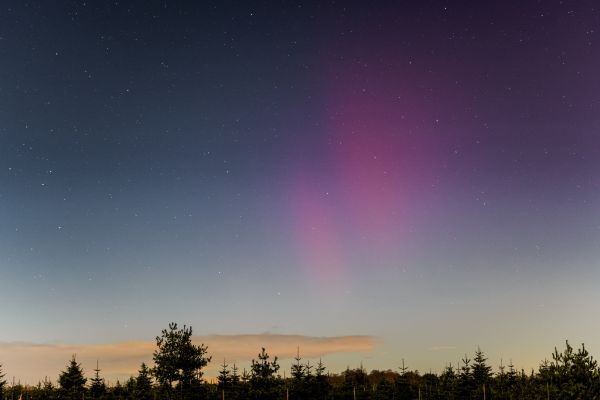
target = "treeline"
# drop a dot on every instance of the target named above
(178, 364)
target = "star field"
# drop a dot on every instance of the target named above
(422, 172)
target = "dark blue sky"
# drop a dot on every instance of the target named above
(422, 172)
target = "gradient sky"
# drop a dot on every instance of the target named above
(422, 172)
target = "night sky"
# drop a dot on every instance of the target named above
(425, 173)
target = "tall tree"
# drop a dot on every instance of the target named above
(481, 373)
(224, 379)
(178, 360)
(98, 387)
(235, 378)
(299, 381)
(71, 381)
(297, 367)
(143, 384)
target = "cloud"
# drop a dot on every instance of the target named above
(31, 362)
(245, 347)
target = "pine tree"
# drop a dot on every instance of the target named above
(585, 376)
(98, 387)
(264, 384)
(178, 360)
(571, 374)
(72, 381)
(143, 384)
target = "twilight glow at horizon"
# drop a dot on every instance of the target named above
(407, 181)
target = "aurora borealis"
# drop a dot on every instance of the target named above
(423, 173)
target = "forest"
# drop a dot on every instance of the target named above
(177, 374)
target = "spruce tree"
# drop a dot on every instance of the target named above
(405, 390)
(481, 373)
(98, 387)
(355, 381)
(245, 378)
(143, 384)
(465, 378)
(236, 387)
(297, 367)
(224, 379)
(430, 385)
(298, 378)
(235, 378)
(308, 371)
(130, 388)
(71, 381)
(384, 389)
(511, 379)
(244, 386)
(448, 382)
(118, 392)
(47, 390)
(321, 382)
(500, 379)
